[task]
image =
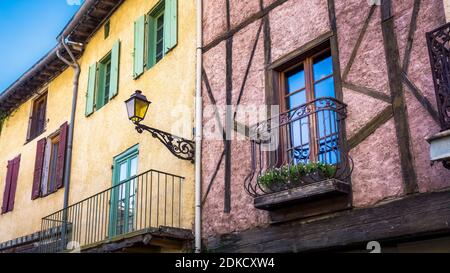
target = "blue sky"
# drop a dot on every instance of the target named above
(28, 30)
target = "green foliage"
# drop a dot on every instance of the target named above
(3, 117)
(290, 176)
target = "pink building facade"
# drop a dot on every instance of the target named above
(379, 72)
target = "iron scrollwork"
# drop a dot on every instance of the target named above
(178, 146)
(439, 49)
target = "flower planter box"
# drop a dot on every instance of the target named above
(304, 201)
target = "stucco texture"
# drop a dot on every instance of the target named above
(287, 33)
(107, 132)
(377, 175)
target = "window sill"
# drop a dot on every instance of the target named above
(305, 201)
(48, 193)
(34, 137)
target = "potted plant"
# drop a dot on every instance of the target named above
(292, 176)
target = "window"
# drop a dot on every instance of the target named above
(123, 199)
(9, 193)
(155, 34)
(103, 80)
(159, 36)
(313, 137)
(49, 163)
(48, 181)
(104, 74)
(37, 119)
(106, 29)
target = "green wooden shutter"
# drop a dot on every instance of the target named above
(91, 89)
(151, 42)
(170, 25)
(138, 55)
(114, 82)
(100, 86)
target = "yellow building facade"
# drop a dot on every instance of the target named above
(103, 135)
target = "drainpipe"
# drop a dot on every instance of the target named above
(198, 132)
(68, 160)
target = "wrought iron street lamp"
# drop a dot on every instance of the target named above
(137, 107)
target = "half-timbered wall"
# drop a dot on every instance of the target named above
(382, 73)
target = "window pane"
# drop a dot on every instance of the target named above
(299, 140)
(159, 37)
(107, 81)
(296, 99)
(53, 163)
(324, 88)
(123, 172)
(133, 170)
(296, 80)
(323, 66)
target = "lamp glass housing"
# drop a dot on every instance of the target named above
(137, 106)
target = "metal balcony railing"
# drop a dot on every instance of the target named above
(439, 50)
(149, 200)
(298, 147)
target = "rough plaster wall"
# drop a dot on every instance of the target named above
(293, 24)
(288, 33)
(214, 63)
(360, 110)
(369, 68)
(377, 174)
(447, 10)
(253, 96)
(421, 123)
(350, 16)
(242, 9)
(214, 19)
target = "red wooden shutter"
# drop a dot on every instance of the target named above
(14, 178)
(61, 155)
(38, 164)
(7, 187)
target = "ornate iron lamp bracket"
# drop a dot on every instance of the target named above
(178, 146)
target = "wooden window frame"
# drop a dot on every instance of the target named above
(101, 73)
(34, 132)
(308, 67)
(275, 94)
(150, 46)
(107, 29)
(53, 139)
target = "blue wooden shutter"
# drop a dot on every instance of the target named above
(115, 63)
(91, 89)
(139, 41)
(170, 25)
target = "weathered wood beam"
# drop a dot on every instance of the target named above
(411, 32)
(228, 114)
(421, 98)
(398, 99)
(361, 35)
(412, 216)
(371, 127)
(367, 91)
(256, 16)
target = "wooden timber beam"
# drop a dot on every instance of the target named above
(411, 217)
